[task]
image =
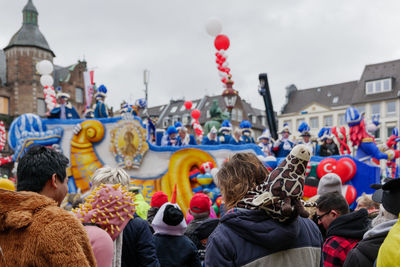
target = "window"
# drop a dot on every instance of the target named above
(263, 121)
(182, 108)
(240, 115)
(341, 119)
(328, 121)
(194, 105)
(79, 95)
(391, 108)
(377, 134)
(41, 107)
(186, 119)
(378, 86)
(361, 109)
(335, 100)
(4, 109)
(298, 122)
(161, 108)
(314, 123)
(375, 109)
(389, 131)
(166, 122)
(173, 109)
(208, 114)
(254, 119)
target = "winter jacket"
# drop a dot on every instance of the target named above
(192, 226)
(70, 112)
(388, 254)
(342, 235)
(251, 238)
(176, 251)
(327, 150)
(365, 252)
(137, 246)
(34, 231)
(141, 206)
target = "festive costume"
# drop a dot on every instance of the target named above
(64, 111)
(188, 140)
(225, 132)
(283, 146)
(167, 140)
(100, 109)
(235, 141)
(245, 126)
(304, 130)
(208, 140)
(265, 148)
(326, 150)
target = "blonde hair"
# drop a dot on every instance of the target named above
(241, 173)
(109, 175)
(367, 202)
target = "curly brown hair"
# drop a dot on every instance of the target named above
(241, 173)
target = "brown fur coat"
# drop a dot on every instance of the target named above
(35, 232)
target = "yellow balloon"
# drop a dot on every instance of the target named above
(7, 184)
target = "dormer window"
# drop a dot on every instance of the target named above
(378, 86)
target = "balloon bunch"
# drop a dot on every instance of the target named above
(2, 135)
(221, 43)
(196, 124)
(45, 68)
(49, 97)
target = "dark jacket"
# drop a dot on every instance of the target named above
(342, 235)
(70, 112)
(176, 251)
(327, 150)
(365, 252)
(251, 237)
(137, 246)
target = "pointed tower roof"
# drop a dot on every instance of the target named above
(29, 34)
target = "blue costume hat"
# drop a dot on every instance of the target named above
(265, 135)
(171, 130)
(101, 91)
(395, 131)
(353, 117)
(245, 126)
(304, 129)
(325, 133)
(375, 120)
(226, 126)
(141, 103)
(178, 125)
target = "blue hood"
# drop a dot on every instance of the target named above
(256, 227)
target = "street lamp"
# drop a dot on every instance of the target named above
(230, 96)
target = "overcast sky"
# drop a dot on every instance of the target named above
(304, 42)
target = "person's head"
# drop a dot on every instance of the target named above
(237, 133)
(128, 137)
(109, 175)
(200, 205)
(241, 173)
(285, 135)
(182, 132)
(43, 170)
(63, 100)
(169, 220)
(264, 141)
(328, 140)
(213, 133)
(330, 206)
(172, 132)
(306, 138)
(365, 201)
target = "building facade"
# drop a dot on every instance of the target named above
(20, 88)
(377, 93)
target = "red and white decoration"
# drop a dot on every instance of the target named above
(88, 77)
(221, 43)
(2, 135)
(49, 97)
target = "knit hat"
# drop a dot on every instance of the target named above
(389, 195)
(158, 199)
(200, 203)
(330, 182)
(109, 206)
(169, 220)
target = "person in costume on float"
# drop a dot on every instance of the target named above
(304, 130)
(245, 126)
(184, 138)
(89, 113)
(100, 109)
(236, 138)
(64, 109)
(264, 143)
(225, 132)
(283, 146)
(170, 138)
(328, 147)
(211, 138)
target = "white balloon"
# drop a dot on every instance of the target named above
(214, 26)
(225, 64)
(44, 67)
(46, 80)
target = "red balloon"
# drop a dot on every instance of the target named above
(188, 104)
(327, 165)
(309, 191)
(349, 193)
(196, 114)
(346, 168)
(221, 42)
(223, 59)
(223, 80)
(227, 70)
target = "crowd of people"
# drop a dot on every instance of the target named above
(262, 221)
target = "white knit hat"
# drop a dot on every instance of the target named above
(169, 220)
